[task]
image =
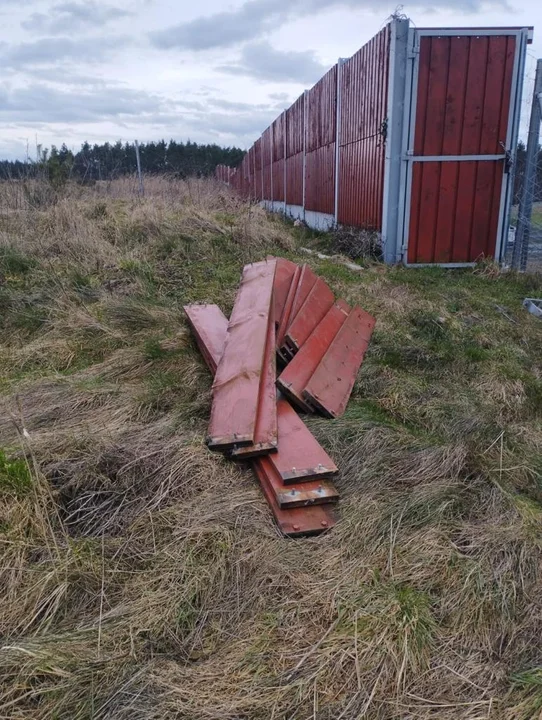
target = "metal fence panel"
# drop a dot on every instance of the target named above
(462, 107)
(294, 179)
(364, 90)
(321, 131)
(267, 144)
(278, 129)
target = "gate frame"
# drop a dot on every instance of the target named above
(523, 36)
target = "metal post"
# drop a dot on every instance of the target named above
(396, 141)
(141, 190)
(340, 63)
(525, 212)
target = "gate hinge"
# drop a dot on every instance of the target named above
(413, 52)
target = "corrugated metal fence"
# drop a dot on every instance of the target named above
(413, 137)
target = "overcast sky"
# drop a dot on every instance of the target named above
(211, 71)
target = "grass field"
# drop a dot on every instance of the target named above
(142, 576)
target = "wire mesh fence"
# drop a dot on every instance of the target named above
(524, 251)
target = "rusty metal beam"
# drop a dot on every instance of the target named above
(236, 386)
(330, 386)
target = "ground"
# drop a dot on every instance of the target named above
(142, 577)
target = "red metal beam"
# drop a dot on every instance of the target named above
(318, 302)
(209, 325)
(283, 280)
(329, 388)
(236, 387)
(294, 378)
(300, 457)
(285, 317)
(266, 431)
(297, 521)
(316, 492)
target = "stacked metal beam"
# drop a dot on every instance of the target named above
(320, 343)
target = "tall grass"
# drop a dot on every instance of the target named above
(142, 577)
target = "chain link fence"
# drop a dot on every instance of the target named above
(524, 251)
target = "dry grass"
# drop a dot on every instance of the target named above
(142, 576)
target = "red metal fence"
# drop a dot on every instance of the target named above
(414, 137)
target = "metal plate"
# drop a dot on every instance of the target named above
(285, 317)
(236, 386)
(329, 388)
(266, 431)
(283, 280)
(294, 378)
(295, 522)
(318, 302)
(319, 492)
(300, 457)
(307, 279)
(209, 326)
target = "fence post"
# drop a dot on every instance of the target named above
(141, 190)
(395, 150)
(525, 211)
(340, 63)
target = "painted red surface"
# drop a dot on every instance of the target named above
(315, 492)
(296, 521)
(295, 131)
(300, 457)
(278, 129)
(463, 105)
(287, 311)
(236, 385)
(318, 302)
(210, 328)
(329, 388)
(364, 100)
(258, 176)
(295, 376)
(321, 130)
(266, 146)
(284, 274)
(266, 429)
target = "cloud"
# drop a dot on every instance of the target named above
(41, 106)
(49, 51)
(70, 17)
(40, 103)
(263, 62)
(223, 29)
(255, 18)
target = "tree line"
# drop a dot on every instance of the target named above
(108, 161)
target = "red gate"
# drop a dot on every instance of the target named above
(462, 128)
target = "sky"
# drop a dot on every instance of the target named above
(208, 71)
